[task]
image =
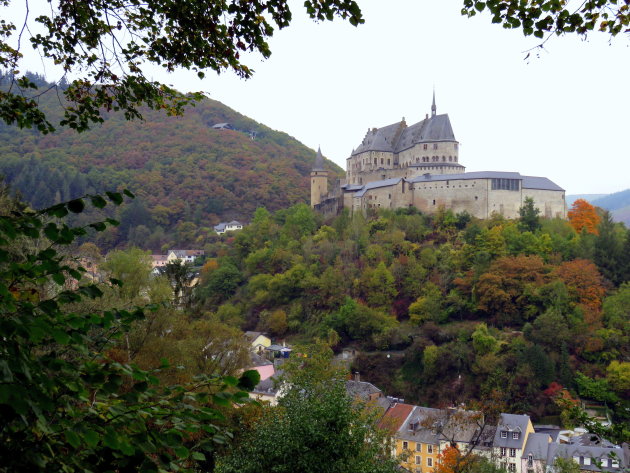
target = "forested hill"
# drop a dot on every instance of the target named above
(180, 167)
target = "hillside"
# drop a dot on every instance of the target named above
(180, 168)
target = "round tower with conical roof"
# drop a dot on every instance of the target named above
(319, 180)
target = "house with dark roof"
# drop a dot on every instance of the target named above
(418, 165)
(513, 431)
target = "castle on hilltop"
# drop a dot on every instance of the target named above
(418, 166)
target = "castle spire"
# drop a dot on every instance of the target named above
(319, 161)
(433, 107)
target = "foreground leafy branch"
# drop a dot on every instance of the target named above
(65, 404)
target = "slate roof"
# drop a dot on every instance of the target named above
(537, 445)
(588, 452)
(361, 389)
(398, 136)
(270, 385)
(376, 184)
(511, 423)
(466, 176)
(253, 335)
(417, 428)
(319, 161)
(533, 182)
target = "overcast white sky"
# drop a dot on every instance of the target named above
(563, 114)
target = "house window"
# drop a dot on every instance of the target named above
(405, 445)
(512, 452)
(503, 450)
(515, 435)
(418, 447)
(429, 448)
(614, 463)
(503, 434)
(530, 460)
(512, 467)
(418, 460)
(429, 461)
(587, 460)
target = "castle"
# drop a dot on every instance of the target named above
(418, 166)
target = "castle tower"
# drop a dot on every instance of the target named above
(319, 179)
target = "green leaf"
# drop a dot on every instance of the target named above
(59, 278)
(115, 197)
(98, 226)
(98, 201)
(76, 206)
(90, 437)
(128, 193)
(181, 451)
(72, 438)
(199, 456)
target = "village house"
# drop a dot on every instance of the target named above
(223, 227)
(258, 341)
(184, 256)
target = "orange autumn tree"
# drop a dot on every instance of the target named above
(452, 461)
(582, 215)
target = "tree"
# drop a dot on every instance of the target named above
(553, 17)
(530, 220)
(316, 427)
(608, 248)
(107, 42)
(66, 404)
(583, 217)
(182, 279)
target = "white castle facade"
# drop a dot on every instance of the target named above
(418, 166)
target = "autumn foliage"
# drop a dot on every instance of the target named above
(582, 215)
(451, 461)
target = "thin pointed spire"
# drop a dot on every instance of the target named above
(433, 107)
(319, 160)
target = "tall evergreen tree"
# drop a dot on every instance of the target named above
(607, 252)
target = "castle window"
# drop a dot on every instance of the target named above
(450, 158)
(425, 146)
(434, 145)
(433, 201)
(443, 159)
(455, 145)
(476, 198)
(388, 161)
(382, 160)
(390, 196)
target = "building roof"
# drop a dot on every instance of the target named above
(253, 335)
(511, 423)
(361, 389)
(223, 225)
(419, 426)
(319, 161)
(271, 385)
(395, 417)
(398, 136)
(157, 258)
(376, 184)
(533, 182)
(593, 454)
(537, 446)
(466, 176)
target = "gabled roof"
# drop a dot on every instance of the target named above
(511, 423)
(361, 389)
(253, 335)
(537, 446)
(419, 426)
(395, 417)
(594, 454)
(377, 184)
(398, 136)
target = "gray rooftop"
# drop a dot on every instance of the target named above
(537, 446)
(377, 184)
(588, 454)
(361, 389)
(319, 161)
(270, 385)
(511, 423)
(398, 136)
(466, 176)
(533, 182)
